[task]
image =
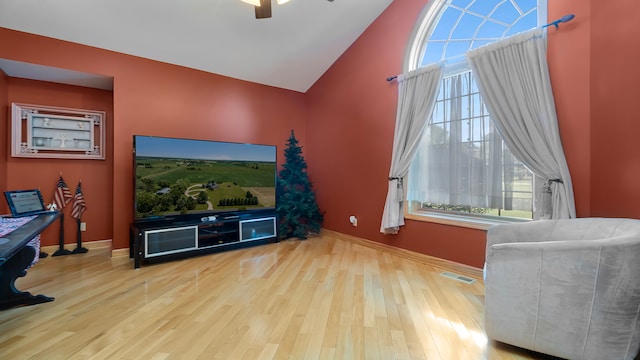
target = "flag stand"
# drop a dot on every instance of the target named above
(61, 250)
(79, 249)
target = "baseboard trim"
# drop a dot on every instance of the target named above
(412, 255)
(408, 254)
(120, 252)
(98, 244)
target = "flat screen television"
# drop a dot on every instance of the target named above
(176, 177)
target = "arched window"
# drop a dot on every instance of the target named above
(463, 172)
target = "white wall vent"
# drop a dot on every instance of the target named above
(464, 279)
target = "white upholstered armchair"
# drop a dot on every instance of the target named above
(568, 288)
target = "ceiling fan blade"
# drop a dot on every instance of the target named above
(264, 10)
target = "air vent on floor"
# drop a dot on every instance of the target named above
(464, 279)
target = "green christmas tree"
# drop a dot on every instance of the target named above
(296, 206)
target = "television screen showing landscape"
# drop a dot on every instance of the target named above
(181, 176)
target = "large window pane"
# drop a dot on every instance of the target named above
(484, 7)
(468, 24)
(506, 13)
(445, 26)
(463, 166)
(467, 27)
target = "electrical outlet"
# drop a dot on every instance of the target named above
(83, 226)
(353, 220)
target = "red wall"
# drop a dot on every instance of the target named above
(615, 125)
(149, 98)
(569, 67)
(153, 98)
(352, 108)
(96, 175)
(345, 122)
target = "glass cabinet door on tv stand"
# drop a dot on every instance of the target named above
(255, 229)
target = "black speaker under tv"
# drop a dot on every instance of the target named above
(176, 178)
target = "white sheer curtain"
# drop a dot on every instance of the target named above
(461, 162)
(513, 78)
(417, 92)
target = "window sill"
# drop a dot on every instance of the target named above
(471, 222)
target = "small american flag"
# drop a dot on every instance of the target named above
(79, 205)
(62, 196)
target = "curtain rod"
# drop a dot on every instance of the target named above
(563, 19)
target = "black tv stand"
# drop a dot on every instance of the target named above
(196, 234)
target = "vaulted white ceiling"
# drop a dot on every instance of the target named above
(291, 50)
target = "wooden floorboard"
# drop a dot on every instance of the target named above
(327, 297)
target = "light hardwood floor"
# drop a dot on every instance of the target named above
(328, 297)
